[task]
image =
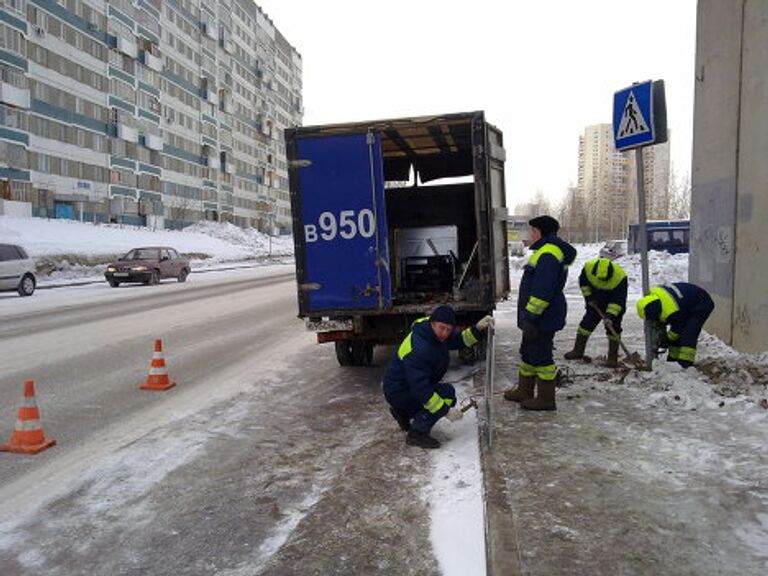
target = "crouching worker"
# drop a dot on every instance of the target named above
(604, 286)
(682, 306)
(412, 384)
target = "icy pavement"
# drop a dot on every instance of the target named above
(661, 472)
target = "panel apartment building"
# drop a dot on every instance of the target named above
(605, 200)
(157, 112)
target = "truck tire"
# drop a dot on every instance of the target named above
(344, 352)
(362, 353)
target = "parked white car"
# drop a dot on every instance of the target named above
(614, 249)
(17, 270)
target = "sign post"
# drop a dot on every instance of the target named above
(639, 120)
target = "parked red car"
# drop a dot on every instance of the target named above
(148, 265)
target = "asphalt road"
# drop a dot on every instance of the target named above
(266, 458)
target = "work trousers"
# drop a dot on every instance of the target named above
(422, 419)
(536, 356)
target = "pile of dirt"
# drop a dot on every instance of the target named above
(734, 376)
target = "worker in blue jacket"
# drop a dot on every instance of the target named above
(684, 308)
(604, 286)
(412, 384)
(541, 311)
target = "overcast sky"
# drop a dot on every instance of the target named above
(542, 70)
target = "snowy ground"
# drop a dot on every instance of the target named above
(721, 403)
(659, 472)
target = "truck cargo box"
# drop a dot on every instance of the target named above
(393, 217)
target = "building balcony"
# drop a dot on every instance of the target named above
(13, 95)
(127, 133)
(153, 142)
(211, 96)
(126, 46)
(150, 61)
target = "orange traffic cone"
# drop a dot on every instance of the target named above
(28, 437)
(158, 375)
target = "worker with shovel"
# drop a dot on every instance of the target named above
(679, 310)
(604, 286)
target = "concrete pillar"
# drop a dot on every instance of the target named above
(729, 203)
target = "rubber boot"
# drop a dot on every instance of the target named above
(612, 361)
(524, 390)
(545, 397)
(578, 348)
(421, 439)
(401, 416)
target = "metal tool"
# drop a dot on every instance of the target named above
(467, 403)
(632, 357)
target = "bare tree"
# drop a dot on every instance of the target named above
(184, 208)
(572, 215)
(544, 206)
(679, 196)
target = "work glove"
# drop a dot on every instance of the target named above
(485, 322)
(659, 337)
(530, 331)
(454, 415)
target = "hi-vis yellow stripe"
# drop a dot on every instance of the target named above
(613, 309)
(525, 369)
(686, 353)
(536, 305)
(546, 372)
(434, 403)
(406, 347)
(547, 249)
(468, 337)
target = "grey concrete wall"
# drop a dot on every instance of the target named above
(715, 136)
(729, 203)
(750, 320)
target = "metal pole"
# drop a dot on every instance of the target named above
(269, 232)
(643, 248)
(489, 374)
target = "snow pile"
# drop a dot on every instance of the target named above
(67, 249)
(250, 238)
(663, 268)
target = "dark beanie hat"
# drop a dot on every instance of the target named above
(443, 314)
(546, 224)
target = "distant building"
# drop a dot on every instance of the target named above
(517, 228)
(153, 112)
(604, 202)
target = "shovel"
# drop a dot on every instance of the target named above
(632, 357)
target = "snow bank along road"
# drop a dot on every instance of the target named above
(266, 458)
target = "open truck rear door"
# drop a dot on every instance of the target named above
(344, 264)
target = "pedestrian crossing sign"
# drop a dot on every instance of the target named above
(639, 115)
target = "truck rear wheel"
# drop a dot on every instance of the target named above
(344, 352)
(354, 352)
(362, 353)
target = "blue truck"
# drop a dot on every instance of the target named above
(393, 217)
(663, 235)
